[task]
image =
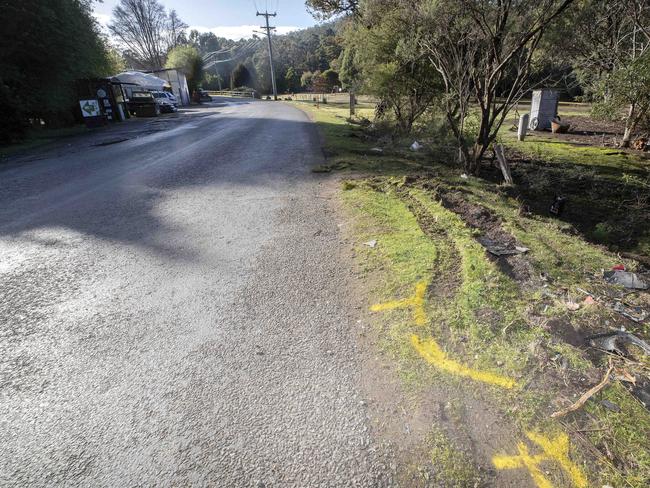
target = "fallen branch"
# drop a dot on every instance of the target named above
(583, 399)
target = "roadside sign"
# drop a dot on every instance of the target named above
(90, 108)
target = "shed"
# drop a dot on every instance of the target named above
(178, 82)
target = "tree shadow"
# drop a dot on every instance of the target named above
(125, 192)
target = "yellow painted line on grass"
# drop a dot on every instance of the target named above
(416, 302)
(431, 352)
(556, 450)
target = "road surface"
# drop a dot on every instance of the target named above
(174, 311)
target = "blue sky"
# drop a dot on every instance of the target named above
(228, 18)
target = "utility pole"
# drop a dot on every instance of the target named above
(268, 29)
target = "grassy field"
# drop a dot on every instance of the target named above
(509, 332)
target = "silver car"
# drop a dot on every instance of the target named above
(163, 101)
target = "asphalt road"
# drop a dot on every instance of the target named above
(175, 311)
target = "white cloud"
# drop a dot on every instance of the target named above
(236, 32)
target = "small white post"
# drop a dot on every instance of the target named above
(523, 127)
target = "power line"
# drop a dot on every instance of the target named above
(268, 30)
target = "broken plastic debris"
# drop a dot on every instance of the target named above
(619, 267)
(589, 300)
(464, 176)
(610, 406)
(377, 149)
(625, 278)
(372, 243)
(416, 146)
(615, 342)
(557, 207)
(499, 249)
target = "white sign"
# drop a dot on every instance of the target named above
(90, 108)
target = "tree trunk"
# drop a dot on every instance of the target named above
(629, 127)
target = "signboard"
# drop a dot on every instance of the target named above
(90, 108)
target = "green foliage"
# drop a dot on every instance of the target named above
(292, 80)
(325, 9)
(212, 82)
(386, 58)
(188, 60)
(306, 80)
(627, 87)
(349, 72)
(240, 76)
(331, 78)
(44, 48)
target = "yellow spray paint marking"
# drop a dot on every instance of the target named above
(416, 302)
(431, 351)
(556, 450)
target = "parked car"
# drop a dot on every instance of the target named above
(172, 98)
(143, 104)
(163, 101)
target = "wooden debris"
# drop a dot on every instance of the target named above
(583, 399)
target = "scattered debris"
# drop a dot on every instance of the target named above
(625, 278)
(372, 243)
(587, 395)
(416, 146)
(641, 144)
(572, 306)
(558, 206)
(503, 163)
(641, 391)
(619, 267)
(610, 406)
(464, 176)
(559, 127)
(614, 342)
(635, 314)
(501, 249)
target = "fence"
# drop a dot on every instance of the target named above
(342, 98)
(234, 94)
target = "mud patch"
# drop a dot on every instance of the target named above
(492, 234)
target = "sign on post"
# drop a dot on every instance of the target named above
(90, 108)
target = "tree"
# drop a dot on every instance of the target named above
(609, 48)
(292, 80)
(331, 79)
(189, 61)
(306, 80)
(627, 87)
(212, 82)
(325, 9)
(143, 28)
(475, 45)
(240, 77)
(44, 48)
(349, 72)
(176, 30)
(383, 57)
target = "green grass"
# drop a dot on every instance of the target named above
(600, 158)
(389, 208)
(453, 467)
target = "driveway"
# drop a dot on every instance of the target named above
(175, 311)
